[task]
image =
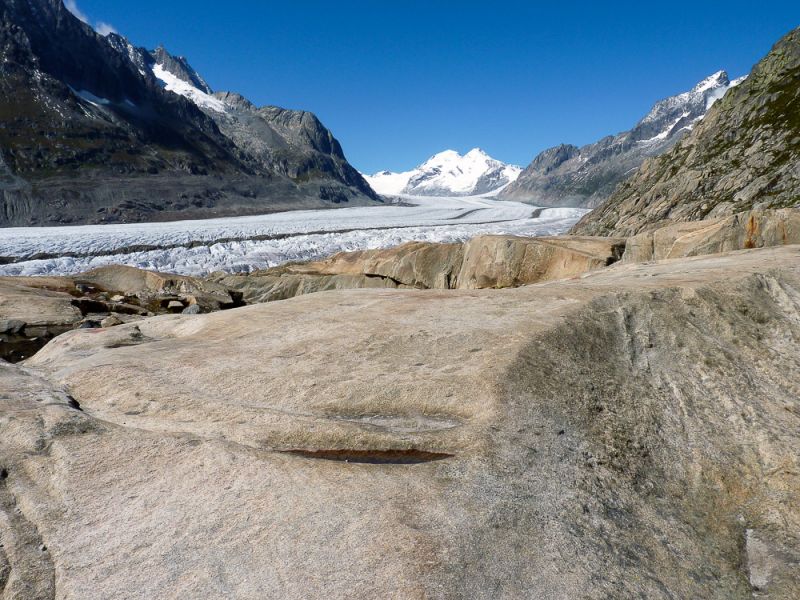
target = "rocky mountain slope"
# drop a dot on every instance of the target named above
(632, 433)
(448, 174)
(570, 176)
(745, 153)
(97, 130)
(292, 143)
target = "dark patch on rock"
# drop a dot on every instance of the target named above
(376, 457)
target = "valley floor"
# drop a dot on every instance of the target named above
(241, 244)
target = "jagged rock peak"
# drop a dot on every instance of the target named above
(140, 57)
(236, 101)
(180, 67)
(682, 111)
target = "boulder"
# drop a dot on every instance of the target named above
(150, 287)
(192, 309)
(12, 326)
(111, 321)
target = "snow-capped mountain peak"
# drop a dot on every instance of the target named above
(566, 175)
(448, 173)
(715, 80)
(174, 73)
(719, 91)
(682, 111)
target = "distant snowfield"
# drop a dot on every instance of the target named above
(243, 244)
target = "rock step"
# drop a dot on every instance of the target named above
(487, 261)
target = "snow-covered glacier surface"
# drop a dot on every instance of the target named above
(241, 244)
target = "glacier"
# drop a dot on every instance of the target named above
(244, 244)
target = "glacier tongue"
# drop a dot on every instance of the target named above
(239, 244)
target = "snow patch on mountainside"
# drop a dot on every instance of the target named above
(669, 130)
(178, 86)
(91, 98)
(448, 173)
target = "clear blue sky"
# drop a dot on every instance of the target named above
(400, 81)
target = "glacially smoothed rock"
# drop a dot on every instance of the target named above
(33, 311)
(508, 261)
(481, 262)
(158, 289)
(630, 433)
(751, 229)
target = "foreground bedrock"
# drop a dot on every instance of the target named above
(632, 433)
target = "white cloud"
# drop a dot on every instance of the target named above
(100, 27)
(72, 7)
(104, 28)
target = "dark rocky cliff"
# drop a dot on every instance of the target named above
(89, 134)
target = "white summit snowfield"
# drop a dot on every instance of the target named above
(448, 174)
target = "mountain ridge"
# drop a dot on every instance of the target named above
(568, 175)
(294, 143)
(744, 154)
